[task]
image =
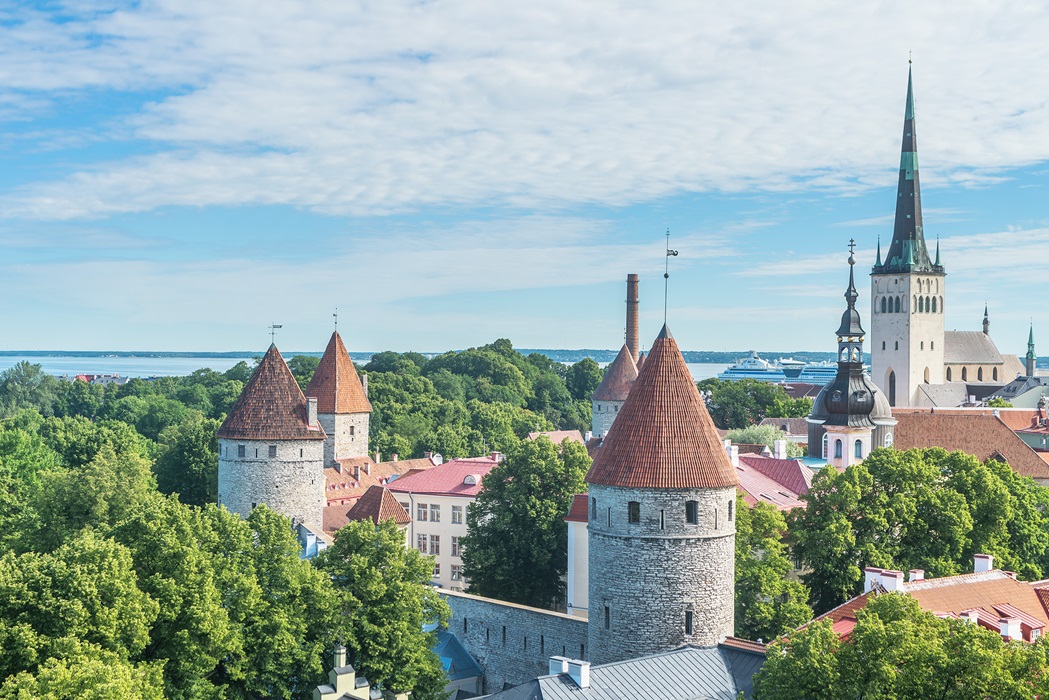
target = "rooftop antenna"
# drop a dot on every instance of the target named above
(273, 332)
(666, 277)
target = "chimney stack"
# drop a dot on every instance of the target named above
(364, 384)
(340, 656)
(870, 575)
(579, 671)
(892, 581)
(558, 665)
(1010, 628)
(780, 451)
(916, 575)
(982, 563)
(633, 335)
(311, 411)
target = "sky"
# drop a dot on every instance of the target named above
(180, 174)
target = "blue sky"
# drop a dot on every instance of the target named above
(178, 174)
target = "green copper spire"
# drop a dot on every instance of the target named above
(1030, 343)
(937, 263)
(908, 252)
(877, 263)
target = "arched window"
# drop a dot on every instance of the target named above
(965, 374)
(914, 303)
(633, 512)
(837, 449)
(888, 439)
(858, 449)
(892, 387)
(926, 375)
(883, 304)
(941, 305)
(897, 305)
(934, 304)
(855, 354)
(948, 374)
(826, 438)
(979, 374)
(593, 508)
(921, 305)
(994, 374)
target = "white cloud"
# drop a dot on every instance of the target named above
(388, 107)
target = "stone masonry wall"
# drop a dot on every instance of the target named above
(513, 643)
(347, 435)
(651, 573)
(604, 413)
(292, 483)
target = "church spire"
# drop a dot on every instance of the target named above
(908, 251)
(1032, 357)
(986, 321)
(850, 320)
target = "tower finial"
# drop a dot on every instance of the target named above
(666, 278)
(273, 332)
(336, 315)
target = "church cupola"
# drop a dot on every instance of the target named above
(850, 332)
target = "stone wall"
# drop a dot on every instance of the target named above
(604, 413)
(649, 577)
(513, 643)
(347, 435)
(292, 483)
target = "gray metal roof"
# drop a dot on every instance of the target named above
(688, 673)
(971, 348)
(947, 394)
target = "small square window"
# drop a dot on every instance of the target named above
(435, 513)
(692, 512)
(420, 512)
(633, 510)
(240, 451)
(273, 451)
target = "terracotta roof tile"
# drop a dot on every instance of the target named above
(335, 383)
(335, 517)
(744, 644)
(760, 487)
(271, 406)
(378, 504)
(342, 487)
(1015, 418)
(640, 361)
(663, 436)
(577, 512)
(791, 473)
(449, 479)
(619, 377)
(982, 435)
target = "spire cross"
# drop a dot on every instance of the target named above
(852, 245)
(273, 331)
(666, 277)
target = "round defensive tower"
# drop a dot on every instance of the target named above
(662, 527)
(612, 392)
(271, 447)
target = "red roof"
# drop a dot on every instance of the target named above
(640, 361)
(663, 436)
(759, 487)
(271, 406)
(335, 382)
(577, 512)
(378, 505)
(342, 487)
(791, 473)
(619, 377)
(448, 479)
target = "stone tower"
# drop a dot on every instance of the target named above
(661, 530)
(850, 416)
(612, 392)
(342, 404)
(271, 447)
(907, 291)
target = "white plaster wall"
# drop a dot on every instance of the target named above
(848, 436)
(445, 529)
(919, 336)
(578, 569)
(292, 483)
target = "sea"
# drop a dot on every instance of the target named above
(145, 366)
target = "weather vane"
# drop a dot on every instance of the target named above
(273, 331)
(666, 277)
(336, 315)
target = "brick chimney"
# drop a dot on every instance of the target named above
(633, 335)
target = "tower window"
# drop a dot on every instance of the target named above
(883, 304)
(859, 449)
(688, 622)
(922, 345)
(633, 512)
(731, 510)
(351, 430)
(965, 373)
(466, 626)
(979, 374)
(692, 512)
(948, 374)
(883, 345)
(662, 520)
(837, 449)
(273, 451)
(897, 305)
(932, 344)
(608, 618)
(593, 508)
(609, 521)
(934, 304)
(897, 345)
(994, 374)
(240, 451)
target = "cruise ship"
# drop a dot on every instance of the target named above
(779, 371)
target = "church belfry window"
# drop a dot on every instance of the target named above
(883, 304)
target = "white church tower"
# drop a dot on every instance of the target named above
(907, 291)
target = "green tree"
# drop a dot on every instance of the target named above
(999, 402)
(86, 672)
(516, 547)
(764, 435)
(303, 367)
(26, 385)
(768, 604)
(188, 464)
(738, 404)
(386, 601)
(239, 372)
(898, 650)
(582, 379)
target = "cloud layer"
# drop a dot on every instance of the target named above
(377, 108)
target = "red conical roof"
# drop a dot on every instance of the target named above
(663, 436)
(271, 407)
(378, 504)
(640, 361)
(335, 383)
(619, 377)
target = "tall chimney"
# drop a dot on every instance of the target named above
(633, 335)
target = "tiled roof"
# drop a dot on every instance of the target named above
(790, 426)
(577, 512)
(791, 473)
(759, 487)
(970, 348)
(559, 436)
(271, 406)
(448, 479)
(640, 361)
(335, 383)
(948, 394)
(984, 436)
(341, 487)
(335, 517)
(619, 377)
(378, 504)
(663, 436)
(799, 390)
(1015, 418)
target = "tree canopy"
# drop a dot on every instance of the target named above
(764, 435)
(516, 547)
(745, 402)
